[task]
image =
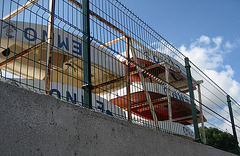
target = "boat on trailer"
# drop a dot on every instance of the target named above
(23, 53)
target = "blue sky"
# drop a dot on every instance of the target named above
(183, 22)
(206, 31)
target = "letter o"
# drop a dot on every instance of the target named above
(27, 35)
(55, 90)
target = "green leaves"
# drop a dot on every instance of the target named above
(219, 139)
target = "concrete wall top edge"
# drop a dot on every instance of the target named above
(37, 124)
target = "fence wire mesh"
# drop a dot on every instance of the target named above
(136, 74)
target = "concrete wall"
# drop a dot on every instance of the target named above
(34, 124)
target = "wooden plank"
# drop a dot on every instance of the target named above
(145, 103)
(168, 95)
(112, 41)
(20, 9)
(201, 111)
(149, 67)
(128, 81)
(119, 79)
(109, 82)
(99, 18)
(50, 45)
(189, 117)
(144, 87)
(23, 53)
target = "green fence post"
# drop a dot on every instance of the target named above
(193, 108)
(232, 121)
(86, 57)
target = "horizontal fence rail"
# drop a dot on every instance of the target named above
(100, 55)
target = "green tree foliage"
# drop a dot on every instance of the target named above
(219, 139)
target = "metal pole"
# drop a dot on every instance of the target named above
(128, 81)
(49, 45)
(201, 112)
(232, 121)
(87, 87)
(168, 96)
(193, 108)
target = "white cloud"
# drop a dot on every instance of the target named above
(204, 39)
(208, 55)
(229, 45)
(217, 41)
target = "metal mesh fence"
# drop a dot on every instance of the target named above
(136, 74)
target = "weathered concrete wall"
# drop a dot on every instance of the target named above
(34, 124)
